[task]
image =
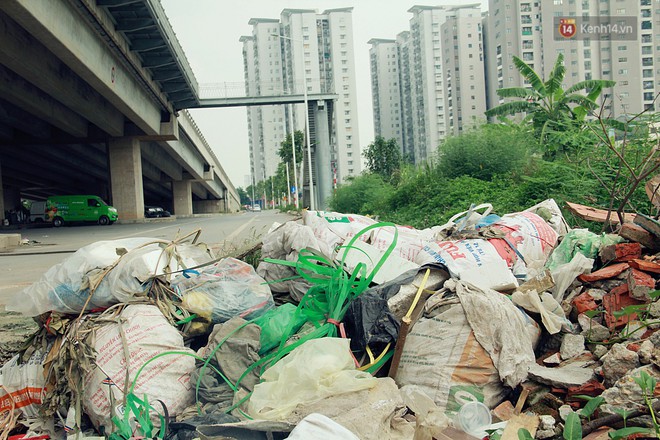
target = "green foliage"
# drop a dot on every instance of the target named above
(593, 403)
(485, 152)
(367, 194)
(383, 157)
(286, 151)
(551, 108)
(524, 434)
(573, 427)
(243, 195)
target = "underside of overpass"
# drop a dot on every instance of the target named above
(80, 80)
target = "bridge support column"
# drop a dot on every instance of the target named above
(2, 199)
(323, 164)
(126, 176)
(182, 196)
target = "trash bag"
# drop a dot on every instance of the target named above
(467, 347)
(318, 426)
(580, 241)
(142, 333)
(223, 290)
(121, 268)
(275, 322)
(22, 383)
(369, 322)
(285, 243)
(317, 369)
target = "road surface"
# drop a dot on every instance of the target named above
(226, 234)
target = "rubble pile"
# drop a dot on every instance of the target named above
(485, 327)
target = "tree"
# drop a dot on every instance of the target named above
(286, 152)
(549, 106)
(244, 196)
(383, 157)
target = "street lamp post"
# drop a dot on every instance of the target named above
(312, 199)
(295, 164)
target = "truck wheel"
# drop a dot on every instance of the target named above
(58, 221)
(104, 220)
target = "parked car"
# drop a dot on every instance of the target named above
(256, 208)
(155, 212)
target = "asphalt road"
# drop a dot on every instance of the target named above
(224, 233)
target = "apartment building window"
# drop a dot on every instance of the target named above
(623, 83)
(587, 53)
(623, 71)
(528, 56)
(621, 11)
(646, 24)
(647, 85)
(526, 44)
(647, 61)
(647, 37)
(623, 59)
(526, 30)
(646, 13)
(622, 47)
(648, 96)
(558, 2)
(524, 7)
(647, 73)
(587, 65)
(647, 50)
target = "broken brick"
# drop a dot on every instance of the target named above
(616, 300)
(635, 233)
(591, 388)
(584, 302)
(649, 224)
(640, 284)
(604, 273)
(646, 266)
(621, 252)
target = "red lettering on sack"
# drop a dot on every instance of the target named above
(451, 249)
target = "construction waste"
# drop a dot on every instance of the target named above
(500, 327)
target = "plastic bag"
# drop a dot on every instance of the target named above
(223, 290)
(147, 335)
(23, 383)
(65, 287)
(318, 426)
(317, 369)
(580, 241)
(275, 322)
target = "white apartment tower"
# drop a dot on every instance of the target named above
(441, 86)
(527, 29)
(304, 49)
(386, 90)
(464, 82)
(262, 68)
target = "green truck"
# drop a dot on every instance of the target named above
(79, 208)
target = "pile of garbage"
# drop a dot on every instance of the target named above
(349, 328)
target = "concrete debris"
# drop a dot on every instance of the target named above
(571, 346)
(561, 377)
(617, 363)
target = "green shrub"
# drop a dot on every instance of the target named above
(485, 152)
(367, 194)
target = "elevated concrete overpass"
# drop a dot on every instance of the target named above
(92, 94)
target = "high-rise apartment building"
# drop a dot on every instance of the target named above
(440, 78)
(386, 89)
(303, 49)
(527, 29)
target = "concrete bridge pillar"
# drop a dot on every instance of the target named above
(323, 164)
(2, 198)
(182, 197)
(126, 177)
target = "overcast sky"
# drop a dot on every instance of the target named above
(209, 30)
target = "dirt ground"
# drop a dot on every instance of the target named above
(14, 330)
